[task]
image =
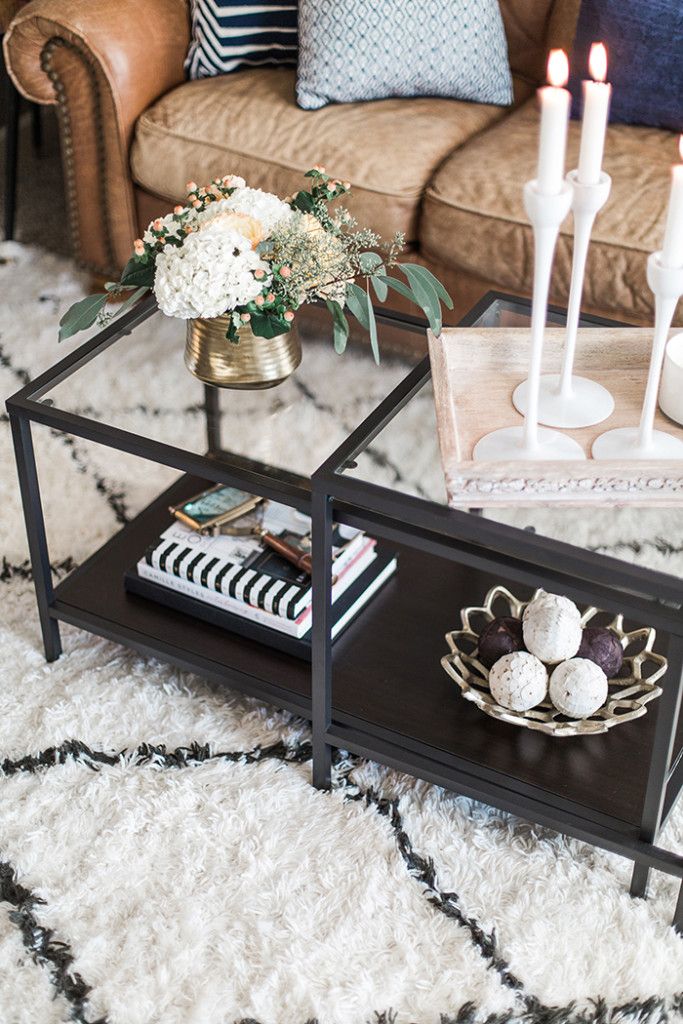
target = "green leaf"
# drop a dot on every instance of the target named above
(132, 299)
(369, 261)
(231, 333)
(398, 286)
(374, 344)
(304, 202)
(81, 315)
(266, 325)
(433, 281)
(356, 300)
(340, 326)
(425, 294)
(138, 273)
(380, 286)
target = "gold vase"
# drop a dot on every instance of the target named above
(252, 364)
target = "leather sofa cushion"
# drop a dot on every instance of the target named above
(474, 218)
(248, 123)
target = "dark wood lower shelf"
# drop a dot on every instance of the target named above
(387, 678)
(94, 597)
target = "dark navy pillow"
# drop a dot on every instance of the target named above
(644, 40)
(228, 34)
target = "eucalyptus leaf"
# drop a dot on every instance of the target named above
(340, 326)
(81, 315)
(132, 299)
(374, 343)
(426, 296)
(433, 281)
(380, 286)
(369, 261)
(356, 300)
(399, 286)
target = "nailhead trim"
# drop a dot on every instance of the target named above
(51, 46)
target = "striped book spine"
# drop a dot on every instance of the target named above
(227, 35)
(249, 586)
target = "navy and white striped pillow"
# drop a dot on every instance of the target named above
(230, 34)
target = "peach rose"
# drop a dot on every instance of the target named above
(245, 225)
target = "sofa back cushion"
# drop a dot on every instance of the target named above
(532, 28)
(644, 40)
(231, 34)
(374, 49)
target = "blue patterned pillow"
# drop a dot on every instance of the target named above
(371, 49)
(227, 35)
(644, 40)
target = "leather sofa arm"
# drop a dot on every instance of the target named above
(102, 63)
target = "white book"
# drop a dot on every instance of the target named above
(291, 627)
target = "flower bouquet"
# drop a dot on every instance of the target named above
(252, 260)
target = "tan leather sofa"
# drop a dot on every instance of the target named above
(449, 174)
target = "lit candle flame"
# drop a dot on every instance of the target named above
(558, 68)
(597, 62)
(680, 146)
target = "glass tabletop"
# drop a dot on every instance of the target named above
(405, 457)
(139, 384)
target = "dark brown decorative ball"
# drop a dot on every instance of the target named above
(601, 646)
(499, 637)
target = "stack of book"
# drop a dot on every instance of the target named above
(237, 581)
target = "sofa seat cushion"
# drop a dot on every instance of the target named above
(248, 123)
(474, 216)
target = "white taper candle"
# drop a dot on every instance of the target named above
(555, 102)
(672, 249)
(596, 100)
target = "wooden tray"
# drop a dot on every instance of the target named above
(475, 371)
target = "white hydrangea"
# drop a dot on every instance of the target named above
(210, 274)
(265, 207)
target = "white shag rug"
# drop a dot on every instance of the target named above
(163, 856)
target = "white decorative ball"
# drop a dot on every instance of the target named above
(578, 687)
(518, 681)
(551, 627)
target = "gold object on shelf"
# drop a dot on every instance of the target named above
(628, 693)
(252, 364)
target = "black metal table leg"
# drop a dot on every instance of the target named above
(667, 711)
(35, 530)
(212, 410)
(321, 664)
(11, 103)
(678, 912)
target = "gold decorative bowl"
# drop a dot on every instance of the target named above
(628, 693)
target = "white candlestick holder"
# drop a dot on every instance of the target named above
(643, 441)
(546, 213)
(565, 400)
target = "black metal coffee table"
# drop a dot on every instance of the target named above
(613, 790)
(380, 691)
